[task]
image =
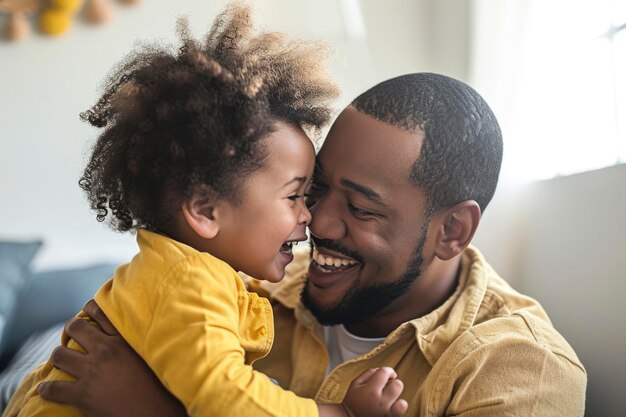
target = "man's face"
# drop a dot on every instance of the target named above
(368, 229)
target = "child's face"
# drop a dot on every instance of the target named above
(256, 236)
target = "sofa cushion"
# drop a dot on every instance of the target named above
(52, 297)
(35, 350)
(15, 258)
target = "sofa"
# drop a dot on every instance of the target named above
(34, 306)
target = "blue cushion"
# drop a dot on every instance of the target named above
(37, 349)
(53, 297)
(15, 258)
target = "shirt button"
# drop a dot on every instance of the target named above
(262, 330)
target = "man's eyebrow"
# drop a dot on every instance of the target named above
(365, 191)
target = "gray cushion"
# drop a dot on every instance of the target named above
(36, 350)
(53, 297)
(15, 258)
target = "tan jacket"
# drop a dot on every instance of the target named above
(487, 351)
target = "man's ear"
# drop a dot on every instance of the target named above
(202, 215)
(456, 226)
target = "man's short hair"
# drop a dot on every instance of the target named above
(461, 154)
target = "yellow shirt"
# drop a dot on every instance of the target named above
(487, 351)
(189, 316)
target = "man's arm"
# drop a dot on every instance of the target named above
(105, 372)
(109, 367)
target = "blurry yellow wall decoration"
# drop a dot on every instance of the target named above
(52, 17)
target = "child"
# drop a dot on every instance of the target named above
(204, 152)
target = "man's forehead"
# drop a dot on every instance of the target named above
(357, 135)
(368, 165)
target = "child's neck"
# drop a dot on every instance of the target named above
(184, 234)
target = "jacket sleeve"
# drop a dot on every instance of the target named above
(511, 377)
(193, 346)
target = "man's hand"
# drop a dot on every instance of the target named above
(112, 380)
(375, 393)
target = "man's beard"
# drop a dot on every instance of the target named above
(361, 303)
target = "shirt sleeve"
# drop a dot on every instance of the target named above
(512, 377)
(194, 348)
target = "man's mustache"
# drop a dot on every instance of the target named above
(336, 247)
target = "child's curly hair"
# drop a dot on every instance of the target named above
(177, 121)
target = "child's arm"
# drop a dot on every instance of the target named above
(376, 392)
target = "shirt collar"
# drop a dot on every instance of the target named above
(438, 329)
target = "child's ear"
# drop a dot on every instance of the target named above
(202, 215)
(456, 226)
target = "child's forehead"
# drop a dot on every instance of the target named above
(289, 141)
(289, 153)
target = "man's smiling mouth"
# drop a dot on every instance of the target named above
(331, 263)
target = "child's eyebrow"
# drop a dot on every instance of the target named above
(299, 180)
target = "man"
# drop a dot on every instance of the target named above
(402, 180)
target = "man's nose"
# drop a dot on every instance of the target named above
(327, 222)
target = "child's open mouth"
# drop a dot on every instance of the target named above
(286, 248)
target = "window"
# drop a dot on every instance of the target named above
(565, 85)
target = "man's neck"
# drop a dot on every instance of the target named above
(436, 284)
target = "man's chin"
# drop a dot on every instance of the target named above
(331, 313)
(325, 315)
(358, 304)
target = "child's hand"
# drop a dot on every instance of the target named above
(375, 393)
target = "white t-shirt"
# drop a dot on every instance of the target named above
(343, 345)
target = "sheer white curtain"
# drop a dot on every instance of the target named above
(556, 80)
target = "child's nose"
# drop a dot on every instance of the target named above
(305, 215)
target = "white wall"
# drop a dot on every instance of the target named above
(46, 82)
(575, 264)
(563, 242)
